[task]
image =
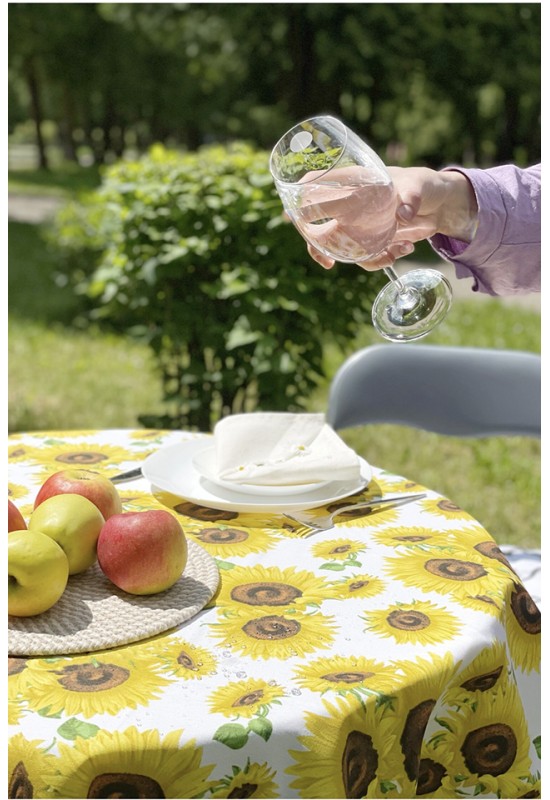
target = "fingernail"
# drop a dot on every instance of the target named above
(406, 249)
(406, 212)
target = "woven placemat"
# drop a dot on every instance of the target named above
(92, 614)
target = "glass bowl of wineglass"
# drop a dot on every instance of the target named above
(339, 195)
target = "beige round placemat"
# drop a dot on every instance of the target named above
(92, 614)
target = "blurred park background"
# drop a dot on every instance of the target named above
(152, 281)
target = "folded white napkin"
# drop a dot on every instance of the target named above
(278, 448)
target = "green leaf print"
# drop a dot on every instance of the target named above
(262, 726)
(73, 728)
(232, 734)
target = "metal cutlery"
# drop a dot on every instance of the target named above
(131, 475)
(315, 523)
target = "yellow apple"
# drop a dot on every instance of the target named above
(38, 571)
(74, 522)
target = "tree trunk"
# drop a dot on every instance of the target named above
(36, 112)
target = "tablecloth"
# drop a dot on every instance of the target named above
(396, 655)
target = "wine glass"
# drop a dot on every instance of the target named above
(339, 195)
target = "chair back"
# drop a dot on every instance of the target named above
(458, 391)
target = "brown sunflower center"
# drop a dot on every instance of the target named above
(245, 790)
(408, 620)
(525, 610)
(359, 764)
(490, 750)
(124, 784)
(83, 457)
(92, 677)
(20, 784)
(430, 776)
(249, 699)
(265, 593)
(454, 569)
(480, 683)
(222, 536)
(413, 734)
(347, 677)
(271, 627)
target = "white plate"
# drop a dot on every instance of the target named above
(171, 469)
(205, 464)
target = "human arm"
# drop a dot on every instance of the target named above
(504, 256)
(486, 222)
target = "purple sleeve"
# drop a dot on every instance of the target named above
(504, 256)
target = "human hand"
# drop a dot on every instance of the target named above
(429, 202)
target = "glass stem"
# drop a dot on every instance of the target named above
(394, 278)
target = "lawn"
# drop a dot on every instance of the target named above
(61, 377)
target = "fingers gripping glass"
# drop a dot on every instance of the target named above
(339, 195)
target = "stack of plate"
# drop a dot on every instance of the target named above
(188, 470)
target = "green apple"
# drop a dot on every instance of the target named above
(74, 522)
(38, 571)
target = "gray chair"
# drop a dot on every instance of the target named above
(457, 391)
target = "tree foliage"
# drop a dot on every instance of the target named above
(424, 82)
(190, 253)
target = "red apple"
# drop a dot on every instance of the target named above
(16, 521)
(142, 552)
(89, 484)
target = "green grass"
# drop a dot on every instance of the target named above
(63, 378)
(67, 179)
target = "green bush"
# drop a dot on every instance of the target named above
(191, 253)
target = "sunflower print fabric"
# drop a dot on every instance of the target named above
(396, 655)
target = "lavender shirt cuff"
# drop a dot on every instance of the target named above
(504, 256)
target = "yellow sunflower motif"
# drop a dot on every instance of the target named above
(462, 573)
(486, 601)
(343, 675)
(16, 491)
(356, 586)
(20, 452)
(254, 780)
(31, 770)
(488, 672)
(185, 660)
(94, 684)
(424, 682)
(17, 676)
(485, 746)
(442, 507)
(132, 763)
(275, 634)
(244, 698)
(394, 483)
(271, 588)
(137, 501)
(411, 536)
(350, 752)
(15, 710)
(149, 436)
(17, 682)
(419, 622)
(523, 629)
(227, 542)
(338, 549)
(103, 458)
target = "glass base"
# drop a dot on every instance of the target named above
(411, 312)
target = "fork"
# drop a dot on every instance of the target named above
(315, 523)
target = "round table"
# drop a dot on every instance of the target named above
(396, 655)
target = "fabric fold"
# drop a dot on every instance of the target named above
(280, 448)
